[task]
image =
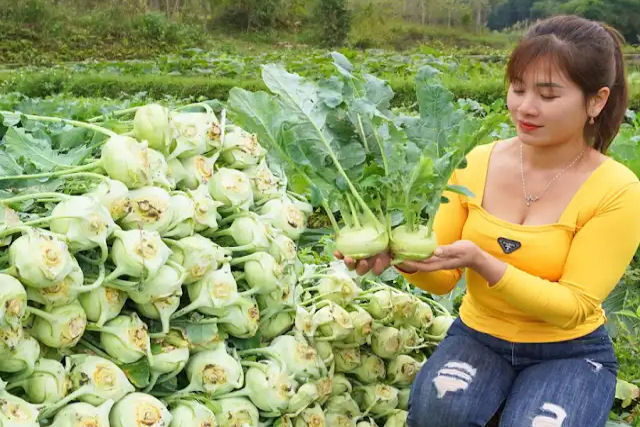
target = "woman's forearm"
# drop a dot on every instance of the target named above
(488, 266)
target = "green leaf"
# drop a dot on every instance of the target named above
(138, 372)
(10, 119)
(8, 166)
(460, 190)
(627, 313)
(37, 152)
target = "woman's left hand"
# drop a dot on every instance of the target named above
(460, 254)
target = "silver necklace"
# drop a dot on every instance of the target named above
(530, 198)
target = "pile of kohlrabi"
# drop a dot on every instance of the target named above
(150, 273)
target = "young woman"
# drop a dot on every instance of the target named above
(551, 228)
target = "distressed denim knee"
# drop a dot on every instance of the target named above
(462, 384)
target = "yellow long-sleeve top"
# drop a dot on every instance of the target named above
(557, 279)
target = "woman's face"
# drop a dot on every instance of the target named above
(546, 107)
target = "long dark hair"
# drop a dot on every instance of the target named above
(590, 54)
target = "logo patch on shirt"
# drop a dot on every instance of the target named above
(508, 246)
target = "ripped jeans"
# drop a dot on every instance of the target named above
(472, 374)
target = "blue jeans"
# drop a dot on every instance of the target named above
(471, 374)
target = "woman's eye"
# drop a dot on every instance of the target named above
(518, 91)
(548, 97)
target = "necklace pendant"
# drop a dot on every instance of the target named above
(530, 199)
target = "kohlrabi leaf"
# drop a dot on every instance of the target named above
(439, 139)
(35, 152)
(259, 113)
(301, 102)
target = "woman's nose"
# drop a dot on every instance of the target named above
(528, 105)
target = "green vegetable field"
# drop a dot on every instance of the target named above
(169, 213)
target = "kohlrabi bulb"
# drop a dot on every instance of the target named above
(15, 412)
(82, 414)
(112, 194)
(332, 322)
(177, 174)
(165, 282)
(83, 221)
(313, 416)
(96, 380)
(410, 244)
(139, 410)
(236, 411)
(183, 216)
(197, 170)
(8, 219)
(102, 304)
(59, 327)
(191, 133)
(262, 272)
(284, 216)
(40, 259)
(200, 256)
(371, 369)
(138, 253)
(168, 358)
(231, 187)
(22, 356)
(402, 370)
(205, 209)
(192, 413)
(264, 183)
(151, 124)
(241, 319)
(217, 289)
(249, 232)
(62, 293)
(125, 338)
(386, 341)
(48, 383)
(13, 302)
(269, 387)
(126, 160)
(381, 398)
(161, 309)
(241, 149)
(398, 418)
(214, 372)
(283, 249)
(159, 170)
(341, 410)
(362, 242)
(149, 210)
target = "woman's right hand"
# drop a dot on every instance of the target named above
(377, 263)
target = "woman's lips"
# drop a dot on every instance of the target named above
(528, 127)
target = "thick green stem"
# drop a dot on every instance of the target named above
(61, 172)
(34, 196)
(40, 313)
(76, 123)
(114, 114)
(362, 134)
(332, 219)
(354, 213)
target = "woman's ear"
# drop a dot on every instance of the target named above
(598, 101)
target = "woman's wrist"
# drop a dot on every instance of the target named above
(489, 267)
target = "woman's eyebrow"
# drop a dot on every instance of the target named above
(549, 84)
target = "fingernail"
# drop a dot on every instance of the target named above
(438, 251)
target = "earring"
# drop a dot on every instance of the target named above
(592, 120)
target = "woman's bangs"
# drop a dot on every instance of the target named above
(541, 53)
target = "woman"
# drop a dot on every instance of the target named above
(551, 228)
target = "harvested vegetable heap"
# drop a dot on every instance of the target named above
(151, 273)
